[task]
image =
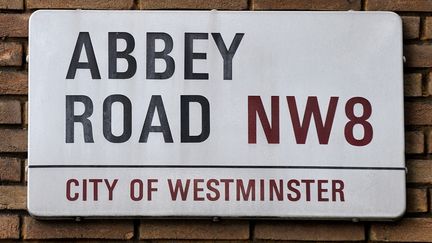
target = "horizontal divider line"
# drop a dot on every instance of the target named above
(219, 166)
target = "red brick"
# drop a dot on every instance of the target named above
(311, 231)
(411, 27)
(10, 112)
(9, 227)
(11, 54)
(414, 142)
(87, 229)
(194, 4)
(13, 83)
(418, 113)
(399, 5)
(12, 4)
(405, 230)
(413, 85)
(13, 140)
(10, 169)
(194, 230)
(14, 25)
(419, 171)
(418, 55)
(416, 200)
(306, 5)
(13, 197)
(80, 4)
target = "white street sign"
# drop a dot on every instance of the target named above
(230, 114)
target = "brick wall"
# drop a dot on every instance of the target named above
(16, 224)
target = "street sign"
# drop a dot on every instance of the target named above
(208, 113)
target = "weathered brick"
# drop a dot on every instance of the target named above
(405, 230)
(418, 113)
(429, 141)
(80, 4)
(194, 4)
(194, 229)
(411, 27)
(416, 200)
(9, 227)
(413, 85)
(399, 5)
(26, 113)
(414, 142)
(197, 241)
(91, 229)
(14, 25)
(419, 171)
(12, 4)
(10, 54)
(311, 231)
(26, 51)
(13, 197)
(306, 5)
(13, 83)
(10, 169)
(418, 55)
(428, 88)
(10, 112)
(26, 170)
(427, 29)
(13, 140)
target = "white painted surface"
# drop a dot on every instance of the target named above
(301, 54)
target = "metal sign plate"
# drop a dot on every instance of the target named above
(231, 114)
